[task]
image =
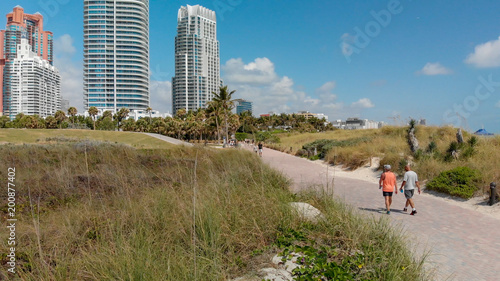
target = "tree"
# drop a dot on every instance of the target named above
(181, 113)
(223, 100)
(214, 112)
(121, 115)
(50, 122)
(60, 117)
(411, 138)
(4, 121)
(93, 111)
(148, 110)
(72, 111)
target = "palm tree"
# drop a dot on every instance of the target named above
(72, 111)
(223, 100)
(121, 114)
(148, 110)
(181, 113)
(214, 112)
(93, 111)
(60, 117)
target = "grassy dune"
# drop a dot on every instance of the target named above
(137, 140)
(389, 143)
(91, 211)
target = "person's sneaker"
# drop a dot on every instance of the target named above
(413, 212)
(405, 210)
(388, 212)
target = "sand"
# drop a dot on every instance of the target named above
(371, 174)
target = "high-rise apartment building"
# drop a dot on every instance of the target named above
(20, 25)
(35, 84)
(116, 54)
(243, 106)
(197, 58)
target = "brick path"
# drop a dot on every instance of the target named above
(464, 243)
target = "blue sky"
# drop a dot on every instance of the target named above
(382, 60)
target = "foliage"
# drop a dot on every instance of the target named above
(319, 261)
(460, 181)
(323, 146)
(411, 138)
(266, 137)
(343, 245)
(106, 124)
(241, 136)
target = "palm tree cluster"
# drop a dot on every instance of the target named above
(284, 122)
(215, 122)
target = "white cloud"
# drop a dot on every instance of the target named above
(64, 45)
(485, 55)
(363, 103)
(258, 72)
(161, 96)
(327, 88)
(434, 69)
(71, 72)
(269, 92)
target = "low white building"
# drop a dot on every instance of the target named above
(36, 84)
(357, 124)
(135, 114)
(138, 114)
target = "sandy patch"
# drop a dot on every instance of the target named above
(371, 174)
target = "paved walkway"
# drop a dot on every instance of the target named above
(464, 244)
(168, 139)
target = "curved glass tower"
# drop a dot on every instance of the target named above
(197, 59)
(116, 54)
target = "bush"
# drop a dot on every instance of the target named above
(323, 146)
(267, 137)
(460, 182)
(241, 136)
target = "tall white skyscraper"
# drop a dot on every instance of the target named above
(197, 58)
(116, 54)
(35, 83)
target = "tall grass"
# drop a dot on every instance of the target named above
(43, 136)
(389, 143)
(111, 212)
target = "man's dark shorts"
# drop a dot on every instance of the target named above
(387, 193)
(409, 193)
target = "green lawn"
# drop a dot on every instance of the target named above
(137, 140)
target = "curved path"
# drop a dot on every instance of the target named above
(168, 139)
(464, 244)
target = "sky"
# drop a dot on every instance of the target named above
(384, 60)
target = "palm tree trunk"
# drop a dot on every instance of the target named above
(227, 133)
(218, 131)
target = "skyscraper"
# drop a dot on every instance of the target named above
(116, 54)
(197, 59)
(35, 84)
(243, 106)
(20, 25)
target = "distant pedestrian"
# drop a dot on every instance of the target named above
(255, 149)
(260, 149)
(388, 185)
(410, 181)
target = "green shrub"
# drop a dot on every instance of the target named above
(267, 137)
(241, 136)
(460, 182)
(323, 146)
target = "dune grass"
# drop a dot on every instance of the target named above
(102, 211)
(137, 140)
(389, 143)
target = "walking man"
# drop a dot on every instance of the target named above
(388, 184)
(260, 149)
(410, 181)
